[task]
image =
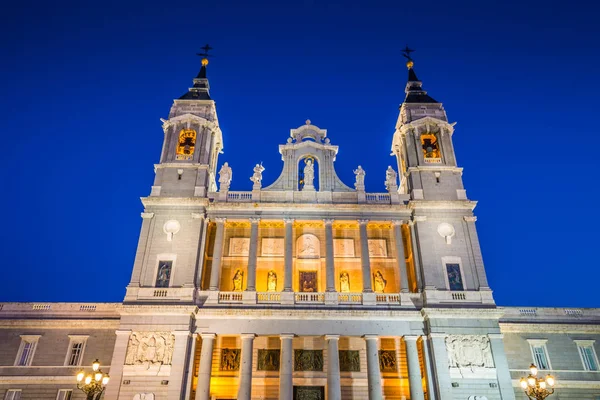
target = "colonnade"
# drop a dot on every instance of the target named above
(215, 277)
(286, 382)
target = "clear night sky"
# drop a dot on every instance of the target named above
(85, 83)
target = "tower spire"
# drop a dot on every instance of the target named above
(200, 89)
(414, 87)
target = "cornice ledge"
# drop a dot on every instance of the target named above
(442, 204)
(174, 201)
(180, 165)
(187, 117)
(158, 309)
(529, 327)
(463, 313)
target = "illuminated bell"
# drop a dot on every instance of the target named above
(429, 149)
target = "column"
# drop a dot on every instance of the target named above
(289, 239)
(205, 369)
(364, 256)
(190, 368)
(329, 265)
(179, 355)
(245, 389)
(334, 388)
(373, 372)
(215, 274)
(501, 364)
(252, 251)
(286, 383)
(416, 256)
(400, 255)
(414, 368)
(116, 365)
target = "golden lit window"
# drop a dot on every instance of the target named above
(431, 149)
(186, 144)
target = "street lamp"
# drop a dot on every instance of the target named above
(92, 384)
(537, 388)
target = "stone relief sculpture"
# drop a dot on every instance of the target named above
(387, 361)
(257, 176)
(271, 281)
(150, 348)
(467, 351)
(144, 396)
(349, 361)
(230, 360)
(343, 247)
(238, 280)
(309, 175)
(308, 360)
(391, 179)
(380, 282)
(377, 247)
(268, 360)
(360, 178)
(307, 246)
(272, 246)
(309, 393)
(225, 176)
(344, 282)
(239, 246)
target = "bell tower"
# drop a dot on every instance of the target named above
(423, 147)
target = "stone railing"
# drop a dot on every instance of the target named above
(239, 196)
(295, 196)
(268, 297)
(378, 198)
(151, 293)
(387, 298)
(349, 298)
(21, 309)
(230, 297)
(309, 298)
(456, 296)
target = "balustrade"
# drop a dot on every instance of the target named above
(388, 298)
(314, 298)
(268, 297)
(350, 298)
(230, 297)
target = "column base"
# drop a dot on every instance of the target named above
(369, 299)
(287, 298)
(249, 297)
(331, 298)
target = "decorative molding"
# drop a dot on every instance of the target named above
(446, 231)
(150, 348)
(198, 215)
(469, 351)
(328, 221)
(171, 227)
(419, 218)
(254, 220)
(147, 215)
(237, 224)
(220, 220)
(288, 220)
(470, 218)
(363, 221)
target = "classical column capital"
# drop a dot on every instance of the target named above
(123, 332)
(399, 222)
(286, 336)
(147, 215)
(371, 337)
(419, 218)
(328, 221)
(220, 220)
(363, 221)
(434, 335)
(254, 220)
(287, 220)
(496, 335)
(411, 337)
(248, 335)
(209, 336)
(332, 337)
(198, 215)
(470, 218)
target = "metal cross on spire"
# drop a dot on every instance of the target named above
(406, 53)
(206, 49)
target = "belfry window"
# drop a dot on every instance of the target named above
(431, 148)
(163, 275)
(186, 144)
(455, 280)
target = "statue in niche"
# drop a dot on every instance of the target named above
(349, 361)
(380, 282)
(360, 178)
(150, 348)
(271, 281)
(268, 360)
(309, 174)
(238, 279)
(225, 176)
(468, 351)
(230, 360)
(257, 176)
(163, 277)
(391, 179)
(344, 282)
(387, 360)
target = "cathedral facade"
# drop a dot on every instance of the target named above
(302, 288)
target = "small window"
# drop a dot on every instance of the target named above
(64, 394)
(186, 145)
(540, 353)
(163, 275)
(587, 354)
(75, 351)
(26, 350)
(13, 394)
(455, 281)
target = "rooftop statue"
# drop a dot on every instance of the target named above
(257, 176)
(225, 177)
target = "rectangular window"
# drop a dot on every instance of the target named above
(26, 350)
(454, 277)
(163, 276)
(75, 351)
(64, 394)
(13, 394)
(540, 358)
(587, 354)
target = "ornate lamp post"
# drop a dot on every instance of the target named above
(537, 388)
(92, 384)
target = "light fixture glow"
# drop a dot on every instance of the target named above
(80, 376)
(105, 380)
(550, 380)
(96, 365)
(98, 376)
(88, 379)
(524, 383)
(533, 369)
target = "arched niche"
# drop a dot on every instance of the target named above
(308, 173)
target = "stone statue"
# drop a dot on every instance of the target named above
(238, 280)
(271, 281)
(360, 178)
(150, 348)
(309, 175)
(390, 179)
(467, 351)
(225, 177)
(344, 282)
(380, 282)
(257, 176)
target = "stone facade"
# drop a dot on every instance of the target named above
(304, 288)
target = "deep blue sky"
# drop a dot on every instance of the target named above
(85, 83)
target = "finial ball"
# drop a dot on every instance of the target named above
(308, 122)
(410, 64)
(204, 62)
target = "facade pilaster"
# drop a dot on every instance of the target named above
(215, 274)
(439, 361)
(286, 385)
(245, 388)
(414, 368)
(329, 263)
(400, 255)
(182, 339)
(373, 372)
(142, 248)
(364, 256)
(252, 253)
(289, 240)
(501, 363)
(431, 390)
(416, 255)
(190, 366)
(205, 368)
(202, 249)
(116, 365)
(476, 251)
(334, 388)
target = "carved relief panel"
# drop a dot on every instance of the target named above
(387, 361)
(230, 360)
(239, 246)
(468, 351)
(377, 247)
(272, 247)
(150, 348)
(268, 360)
(343, 247)
(308, 246)
(308, 360)
(349, 361)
